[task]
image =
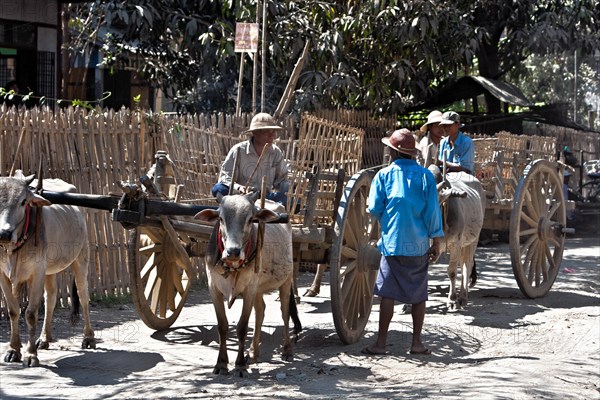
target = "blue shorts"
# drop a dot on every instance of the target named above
(403, 278)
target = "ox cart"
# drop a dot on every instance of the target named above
(526, 204)
(327, 210)
(330, 225)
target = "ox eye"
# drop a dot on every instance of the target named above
(23, 202)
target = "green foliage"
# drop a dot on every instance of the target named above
(137, 100)
(551, 79)
(382, 55)
(41, 100)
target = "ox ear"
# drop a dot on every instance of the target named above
(39, 201)
(264, 215)
(207, 215)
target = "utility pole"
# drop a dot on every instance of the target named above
(255, 59)
(263, 59)
(575, 88)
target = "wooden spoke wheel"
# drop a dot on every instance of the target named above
(160, 278)
(537, 223)
(354, 260)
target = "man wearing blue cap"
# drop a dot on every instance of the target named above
(459, 149)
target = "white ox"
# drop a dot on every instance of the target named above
(33, 249)
(232, 272)
(462, 199)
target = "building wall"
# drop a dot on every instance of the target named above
(37, 11)
(28, 46)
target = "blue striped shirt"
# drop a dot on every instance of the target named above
(403, 197)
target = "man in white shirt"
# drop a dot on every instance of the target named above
(259, 157)
(428, 145)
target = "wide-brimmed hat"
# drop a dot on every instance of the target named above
(449, 118)
(403, 141)
(434, 117)
(263, 121)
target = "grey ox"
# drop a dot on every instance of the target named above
(462, 199)
(35, 244)
(232, 270)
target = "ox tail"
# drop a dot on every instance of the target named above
(75, 304)
(294, 314)
(474, 274)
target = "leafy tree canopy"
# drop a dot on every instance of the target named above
(382, 55)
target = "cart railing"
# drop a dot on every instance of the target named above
(331, 147)
(500, 161)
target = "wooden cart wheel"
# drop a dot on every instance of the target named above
(354, 260)
(160, 279)
(537, 224)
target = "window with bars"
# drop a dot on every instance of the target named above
(46, 77)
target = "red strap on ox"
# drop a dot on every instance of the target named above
(23, 238)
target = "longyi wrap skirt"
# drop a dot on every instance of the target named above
(403, 278)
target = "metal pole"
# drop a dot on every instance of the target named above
(255, 67)
(240, 84)
(263, 60)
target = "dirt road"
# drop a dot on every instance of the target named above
(503, 346)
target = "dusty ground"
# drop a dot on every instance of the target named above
(503, 346)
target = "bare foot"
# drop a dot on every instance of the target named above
(422, 350)
(373, 351)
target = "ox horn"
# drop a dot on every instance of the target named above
(40, 182)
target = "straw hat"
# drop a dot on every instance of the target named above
(434, 117)
(263, 121)
(403, 141)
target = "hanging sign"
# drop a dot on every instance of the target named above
(246, 37)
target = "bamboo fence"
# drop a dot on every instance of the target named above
(96, 149)
(375, 129)
(92, 151)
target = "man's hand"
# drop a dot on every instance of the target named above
(247, 189)
(434, 250)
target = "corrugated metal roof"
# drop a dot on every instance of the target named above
(469, 87)
(504, 91)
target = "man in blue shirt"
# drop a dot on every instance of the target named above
(403, 197)
(459, 149)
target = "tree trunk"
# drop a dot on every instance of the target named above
(489, 67)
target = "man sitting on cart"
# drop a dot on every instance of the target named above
(434, 132)
(258, 157)
(459, 149)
